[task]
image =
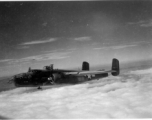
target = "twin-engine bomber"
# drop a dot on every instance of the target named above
(50, 76)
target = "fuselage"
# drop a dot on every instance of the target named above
(47, 77)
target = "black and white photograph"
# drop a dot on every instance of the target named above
(76, 59)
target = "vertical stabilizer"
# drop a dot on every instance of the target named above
(85, 66)
(115, 67)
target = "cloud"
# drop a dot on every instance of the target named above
(39, 42)
(42, 57)
(142, 72)
(61, 50)
(5, 60)
(44, 24)
(115, 47)
(123, 46)
(141, 42)
(142, 23)
(147, 24)
(23, 47)
(49, 55)
(133, 23)
(81, 39)
(125, 96)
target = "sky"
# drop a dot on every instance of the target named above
(66, 33)
(125, 96)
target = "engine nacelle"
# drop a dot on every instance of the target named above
(57, 76)
(101, 75)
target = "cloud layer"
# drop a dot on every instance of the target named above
(125, 96)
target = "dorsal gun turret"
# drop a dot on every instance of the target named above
(50, 67)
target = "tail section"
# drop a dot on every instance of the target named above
(115, 67)
(85, 66)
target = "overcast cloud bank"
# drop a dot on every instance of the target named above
(125, 96)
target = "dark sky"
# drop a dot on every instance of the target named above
(67, 33)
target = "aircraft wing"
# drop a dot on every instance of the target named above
(63, 70)
(82, 73)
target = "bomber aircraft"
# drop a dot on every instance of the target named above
(50, 76)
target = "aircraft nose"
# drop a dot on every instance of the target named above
(11, 80)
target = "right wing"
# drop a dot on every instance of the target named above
(82, 73)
